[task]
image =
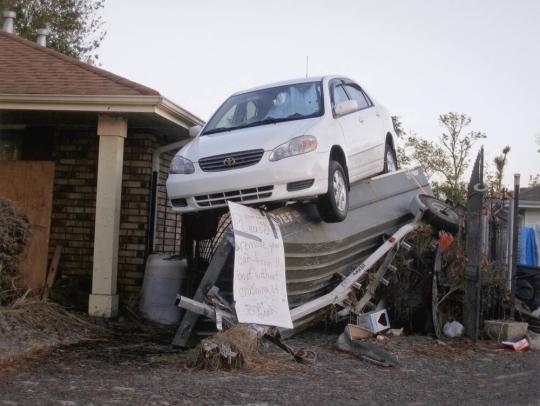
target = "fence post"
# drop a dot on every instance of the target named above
(515, 245)
(473, 247)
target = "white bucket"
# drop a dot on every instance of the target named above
(163, 279)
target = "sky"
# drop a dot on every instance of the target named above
(419, 58)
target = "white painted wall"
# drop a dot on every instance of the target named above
(531, 216)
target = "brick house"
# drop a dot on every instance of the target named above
(85, 153)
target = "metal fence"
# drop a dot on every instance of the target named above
(488, 249)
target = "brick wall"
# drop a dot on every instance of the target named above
(136, 182)
(74, 199)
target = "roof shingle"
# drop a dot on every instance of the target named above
(531, 194)
(27, 68)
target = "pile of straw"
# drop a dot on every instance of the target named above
(235, 348)
(15, 234)
(29, 325)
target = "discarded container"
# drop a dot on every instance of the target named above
(163, 279)
(518, 346)
(375, 321)
(356, 332)
(396, 331)
(499, 330)
(453, 329)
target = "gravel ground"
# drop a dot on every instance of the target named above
(142, 369)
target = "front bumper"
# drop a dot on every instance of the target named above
(265, 181)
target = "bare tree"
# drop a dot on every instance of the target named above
(447, 159)
(500, 163)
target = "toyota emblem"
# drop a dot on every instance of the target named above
(229, 162)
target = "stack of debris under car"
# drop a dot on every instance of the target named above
(331, 269)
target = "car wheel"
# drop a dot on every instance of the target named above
(334, 205)
(439, 214)
(390, 159)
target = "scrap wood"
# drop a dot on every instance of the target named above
(219, 259)
(52, 272)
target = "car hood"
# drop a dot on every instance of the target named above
(267, 137)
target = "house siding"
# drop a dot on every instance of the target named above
(531, 216)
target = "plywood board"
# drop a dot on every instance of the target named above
(29, 184)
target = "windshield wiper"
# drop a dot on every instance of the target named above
(218, 130)
(268, 120)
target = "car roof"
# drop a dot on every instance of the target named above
(289, 82)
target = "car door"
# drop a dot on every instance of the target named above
(355, 126)
(369, 138)
(348, 123)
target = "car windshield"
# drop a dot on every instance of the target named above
(266, 106)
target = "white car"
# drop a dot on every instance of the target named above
(296, 140)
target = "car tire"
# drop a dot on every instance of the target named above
(439, 214)
(334, 205)
(390, 159)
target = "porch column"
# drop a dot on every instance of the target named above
(111, 131)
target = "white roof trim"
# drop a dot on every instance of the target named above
(101, 103)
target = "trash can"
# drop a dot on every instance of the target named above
(163, 279)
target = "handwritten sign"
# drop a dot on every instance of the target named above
(260, 288)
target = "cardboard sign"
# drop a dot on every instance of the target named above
(260, 288)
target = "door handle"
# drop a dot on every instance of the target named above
(360, 120)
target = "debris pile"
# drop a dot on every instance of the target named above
(15, 234)
(234, 348)
(30, 325)
(357, 298)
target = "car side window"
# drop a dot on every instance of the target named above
(356, 93)
(338, 94)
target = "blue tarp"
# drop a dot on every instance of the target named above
(528, 254)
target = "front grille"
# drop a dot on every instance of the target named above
(244, 195)
(234, 160)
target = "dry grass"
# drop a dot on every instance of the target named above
(29, 325)
(235, 348)
(15, 234)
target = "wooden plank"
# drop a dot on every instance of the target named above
(53, 270)
(29, 184)
(210, 277)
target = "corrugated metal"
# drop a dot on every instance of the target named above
(315, 251)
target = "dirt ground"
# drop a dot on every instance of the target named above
(140, 368)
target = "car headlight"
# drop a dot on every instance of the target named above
(296, 146)
(181, 165)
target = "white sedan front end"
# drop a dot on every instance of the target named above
(213, 182)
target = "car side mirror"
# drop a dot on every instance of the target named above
(346, 107)
(194, 131)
